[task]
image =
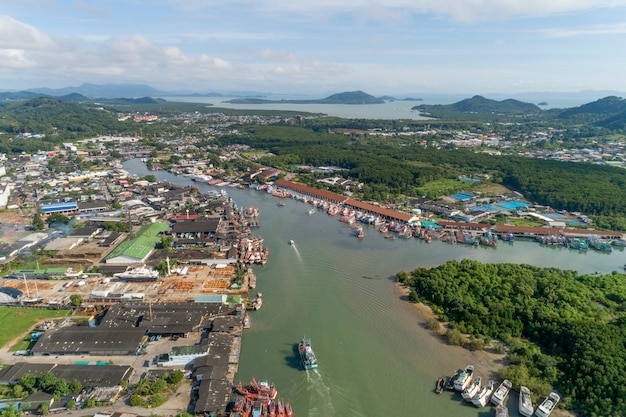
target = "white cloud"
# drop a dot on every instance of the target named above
(595, 30)
(14, 59)
(274, 55)
(17, 35)
(390, 10)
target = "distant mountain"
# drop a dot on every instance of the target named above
(482, 105)
(18, 95)
(391, 98)
(606, 106)
(349, 97)
(102, 90)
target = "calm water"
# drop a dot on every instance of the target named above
(374, 358)
(389, 110)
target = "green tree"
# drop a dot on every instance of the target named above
(10, 411)
(28, 381)
(44, 409)
(136, 400)
(38, 223)
(57, 218)
(76, 386)
(76, 300)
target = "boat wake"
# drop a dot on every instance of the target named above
(295, 249)
(320, 395)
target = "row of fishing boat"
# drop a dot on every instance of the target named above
(258, 399)
(473, 391)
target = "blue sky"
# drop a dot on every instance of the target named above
(317, 47)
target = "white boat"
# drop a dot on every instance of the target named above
(525, 402)
(291, 242)
(472, 389)
(500, 394)
(548, 405)
(138, 274)
(482, 398)
(464, 378)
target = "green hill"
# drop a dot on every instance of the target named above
(607, 106)
(349, 97)
(482, 105)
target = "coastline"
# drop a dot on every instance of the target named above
(489, 363)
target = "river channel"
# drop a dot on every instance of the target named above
(375, 359)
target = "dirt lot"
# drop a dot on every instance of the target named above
(13, 226)
(83, 256)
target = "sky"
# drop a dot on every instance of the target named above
(316, 47)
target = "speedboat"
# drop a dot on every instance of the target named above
(464, 378)
(482, 398)
(472, 389)
(525, 402)
(291, 242)
(500, 394)
(548, 405)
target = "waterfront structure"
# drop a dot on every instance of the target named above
(347, 201)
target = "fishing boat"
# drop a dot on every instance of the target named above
(452, 380)
(525, 402)
(257, 390)
(240, 401)
(464, 378)
(472, 389)
(548, 405)
(280, 408)
(502, 411)
(288, 410)
(500, 394)
(440, 384)
(256, 409)
(307, 356)
(482, 398)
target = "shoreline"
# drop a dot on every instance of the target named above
(490, 363)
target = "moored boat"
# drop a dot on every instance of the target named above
(464, 378)
(525, 402)
(247, 321)
(500, 394)
(452, 380)
(548, 405)
(482, 398)
(440, 384)
(307, 356)
(472, 389)
(257, 390)
(288, 410)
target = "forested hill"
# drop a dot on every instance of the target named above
(482, 105)
(578, 321)
(349, 97)
(606, 106)
(58, 120)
